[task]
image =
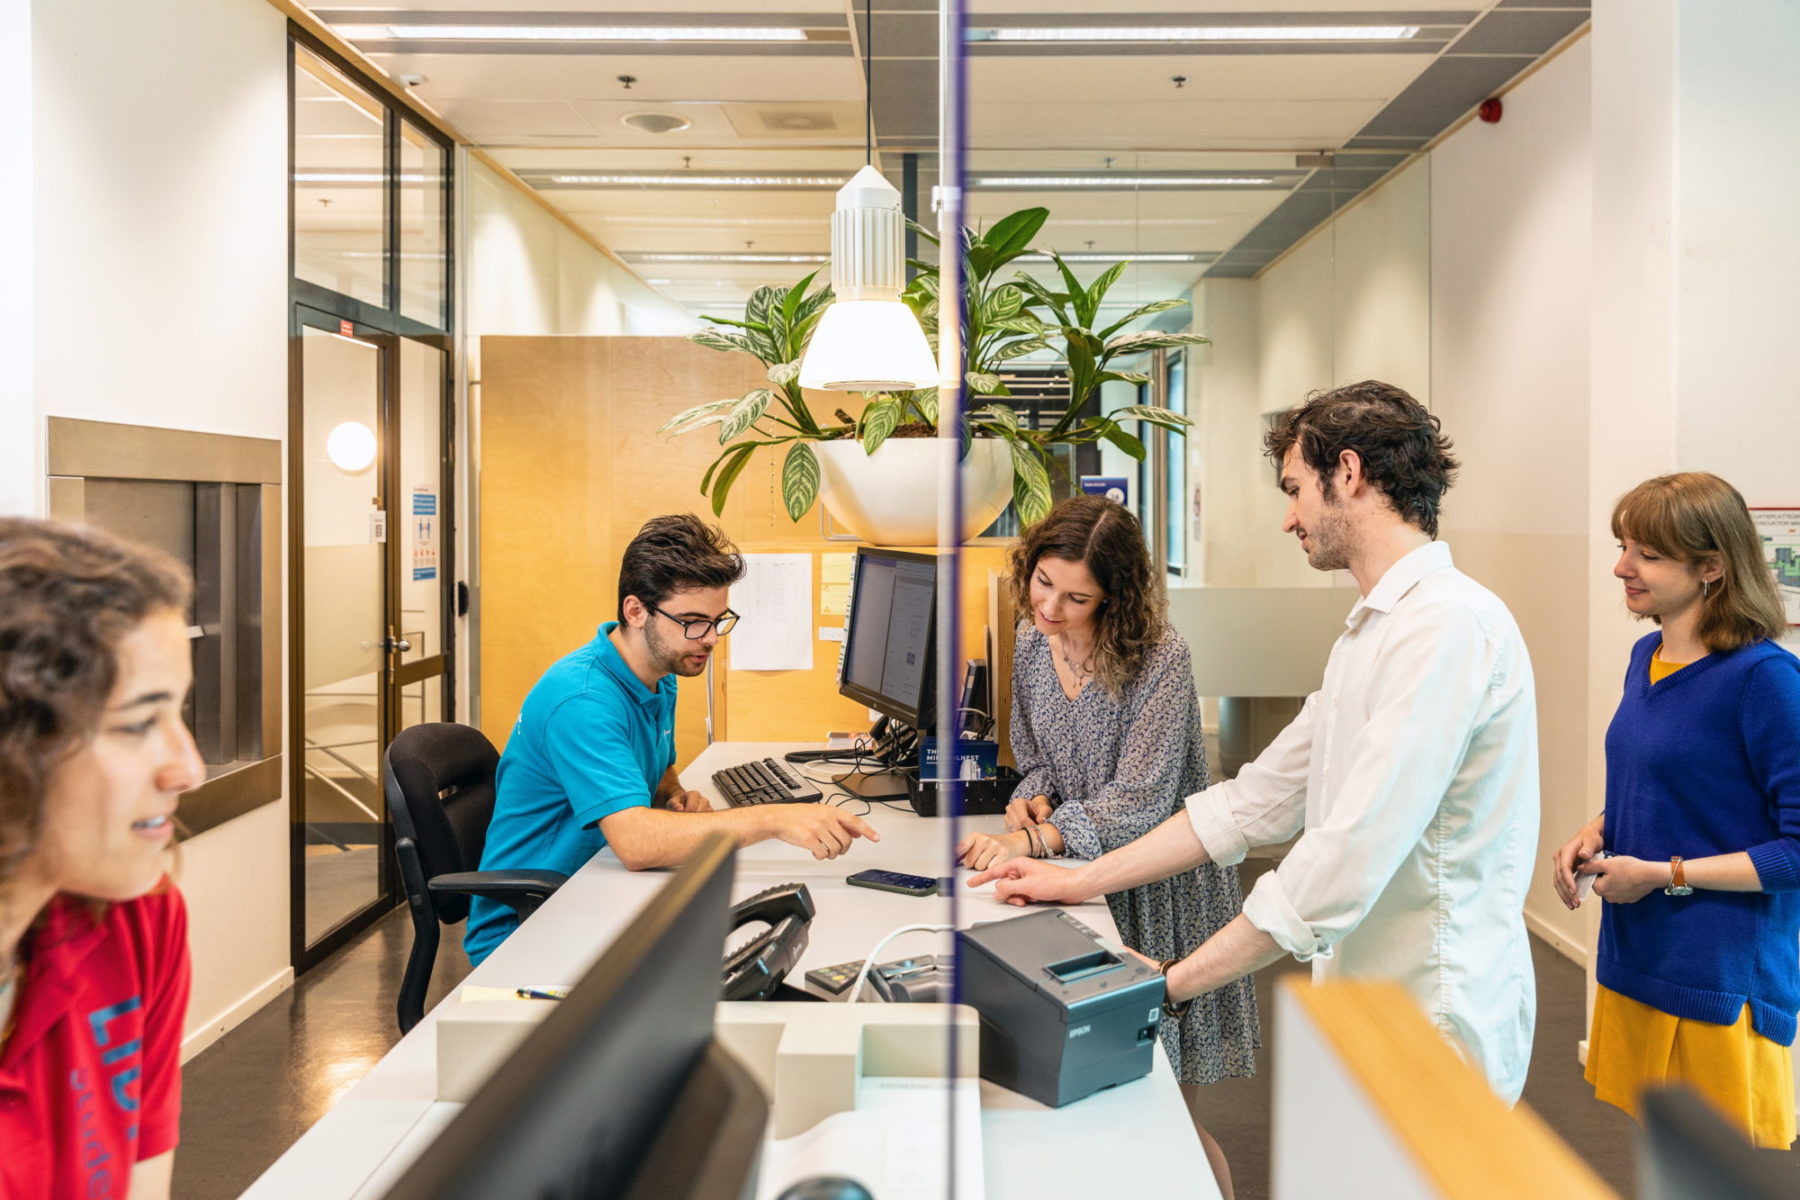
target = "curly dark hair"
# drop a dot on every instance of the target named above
(67, 596)
(1402, 445)
(1105, 538)
(674, 553)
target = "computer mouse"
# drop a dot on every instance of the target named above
(826, 1187)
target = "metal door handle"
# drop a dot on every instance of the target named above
(400, 644)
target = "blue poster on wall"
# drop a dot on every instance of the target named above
(1116, 488)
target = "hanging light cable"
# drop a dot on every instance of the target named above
(868, 340)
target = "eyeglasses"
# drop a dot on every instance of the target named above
(694, 628)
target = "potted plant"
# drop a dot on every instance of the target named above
(1004, 458)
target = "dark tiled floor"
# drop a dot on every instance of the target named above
(251, 1094)
(259, 1087)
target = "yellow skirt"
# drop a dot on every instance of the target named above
(1747, 1077)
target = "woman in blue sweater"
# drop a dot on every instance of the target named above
(1699, 965)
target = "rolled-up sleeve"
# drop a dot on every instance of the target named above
(1266, 803)
(1431, 680)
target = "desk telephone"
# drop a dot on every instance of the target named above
(754, 970)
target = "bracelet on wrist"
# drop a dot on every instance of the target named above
(1170, 1007)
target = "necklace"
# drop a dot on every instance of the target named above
(1079, 669)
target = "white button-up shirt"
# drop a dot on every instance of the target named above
(1414, 773)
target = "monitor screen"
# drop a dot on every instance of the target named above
(584, 1103)
(888, 641)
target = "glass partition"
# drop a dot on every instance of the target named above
(340, 163)
(424, 192)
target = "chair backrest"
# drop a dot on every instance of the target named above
(440, 789)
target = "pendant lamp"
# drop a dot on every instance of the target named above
(868, 340)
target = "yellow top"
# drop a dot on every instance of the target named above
(1661, 669)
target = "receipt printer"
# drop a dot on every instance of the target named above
(1062, 1016)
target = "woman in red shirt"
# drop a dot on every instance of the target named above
(94, 666)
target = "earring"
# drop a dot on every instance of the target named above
(1706, 589)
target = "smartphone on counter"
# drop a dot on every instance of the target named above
(894, 881)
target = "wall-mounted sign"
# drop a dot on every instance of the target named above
(1116, 488)
(1780, 530)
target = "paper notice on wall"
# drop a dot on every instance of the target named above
(775, 600)
(1780, 530)
(424, 533)
(834, 583)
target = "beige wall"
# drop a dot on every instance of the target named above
(1510, 250)
(158, 159)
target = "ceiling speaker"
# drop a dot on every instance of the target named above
(655, 122)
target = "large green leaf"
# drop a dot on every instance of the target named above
(712, 339)
(799, 480)
(763, 301)
(1168, 418)
(674, 423)
(881, 418)
(1031, 484)
(1141, 312)
(790, 303)
(1023, 346)
(985, 384)
(1022, 323)
(782, 374)
(1123, 440)
(1098, 290)
(1005, 301)
(1001, 415)
(728, 475)
(926, 401)
(746, 413)
(1152, 339)
(1011, 235)
(1122, 377)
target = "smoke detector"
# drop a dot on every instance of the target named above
(655, 122)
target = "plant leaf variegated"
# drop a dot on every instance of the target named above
(1006, 319)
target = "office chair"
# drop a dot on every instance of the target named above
(440, 793)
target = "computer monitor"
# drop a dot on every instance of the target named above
(889, 638)
(621, 1092)
(1687, 1151)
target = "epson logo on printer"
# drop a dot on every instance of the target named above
(1079, 1030)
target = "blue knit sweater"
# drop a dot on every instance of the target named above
(1708, 762)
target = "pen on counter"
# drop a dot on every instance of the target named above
(541, 993)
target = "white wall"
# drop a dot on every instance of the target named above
(1352, 302)
(1510, 250)
(18, 442)
(525, 273)
(158, 151)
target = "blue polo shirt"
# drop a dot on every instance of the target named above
(591, 739)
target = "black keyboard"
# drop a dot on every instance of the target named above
(764, 782)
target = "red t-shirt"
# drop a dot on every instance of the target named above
(90, 1080)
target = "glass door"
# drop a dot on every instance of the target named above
(340, 709)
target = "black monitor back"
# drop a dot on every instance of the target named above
(582, 1104)
(1687, 1151)
(890, 637)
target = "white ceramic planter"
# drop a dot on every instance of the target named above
(889, 498)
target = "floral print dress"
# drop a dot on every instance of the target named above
(1115, 768)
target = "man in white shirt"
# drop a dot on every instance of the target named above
(1412, 771)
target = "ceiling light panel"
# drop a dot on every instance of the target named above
(1198, 33)
(680, 179)
(570, 33)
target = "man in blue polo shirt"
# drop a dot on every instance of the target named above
(591, 760)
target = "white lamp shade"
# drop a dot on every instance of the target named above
(868, 346)
(351, 446)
